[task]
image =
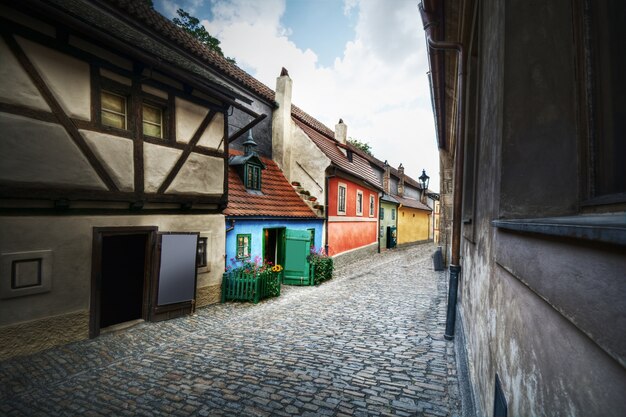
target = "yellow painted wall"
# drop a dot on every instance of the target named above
(412, 225)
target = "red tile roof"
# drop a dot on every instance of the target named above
(322, 135)
(278, 198)
(359, 167)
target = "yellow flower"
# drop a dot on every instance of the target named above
(277, 268)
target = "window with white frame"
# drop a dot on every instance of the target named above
(341, 199)
(359, 203)
(372, 201)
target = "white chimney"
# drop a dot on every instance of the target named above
(281, 124)
(341, 132)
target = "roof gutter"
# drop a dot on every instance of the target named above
(455, 264)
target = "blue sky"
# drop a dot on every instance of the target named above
(360, 60)
(312, 23)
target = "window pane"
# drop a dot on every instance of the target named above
(152, 130)
(152, 114)
(113, 102)
(113, 110)
(113, 120)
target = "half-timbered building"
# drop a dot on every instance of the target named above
(113, 169)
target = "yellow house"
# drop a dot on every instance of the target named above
(413, 220)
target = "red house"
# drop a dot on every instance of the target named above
(352, 191)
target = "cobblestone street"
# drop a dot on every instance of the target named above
(367, 343)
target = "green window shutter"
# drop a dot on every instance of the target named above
(297, 249)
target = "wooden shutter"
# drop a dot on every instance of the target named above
(297, 249)
(175, 286)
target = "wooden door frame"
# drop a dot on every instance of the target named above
(96, 270)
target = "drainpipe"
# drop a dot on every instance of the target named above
(455, 264)
(228, 229)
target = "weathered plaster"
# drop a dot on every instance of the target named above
(105, 54)
(282, 126)
(200, 174)
(116, 154)
(154, 91)
(67, 77)
(42, 152)
(188, 118)
(16, 86)
(213, 136)
(158, 161)
(116, 77)
(412, 225)
(70, 240)
(308, 161)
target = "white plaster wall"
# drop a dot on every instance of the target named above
(15, 85)
(157, 163)
(307, 154)
(200, 174)
(214, 134)
(116, 77)
(101, 52)
(116, 154)
(70, 240)
(188, 118)
(67, 77)
(154, 91)
(42, 152)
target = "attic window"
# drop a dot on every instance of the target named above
(253, 177)
(113, 110)
(152, 121)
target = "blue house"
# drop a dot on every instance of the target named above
(266, 219)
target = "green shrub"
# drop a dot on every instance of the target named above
(322, 265)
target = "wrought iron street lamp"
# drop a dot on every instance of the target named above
(424, 180)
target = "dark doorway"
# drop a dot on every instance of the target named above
(273, 245)
(122, 285)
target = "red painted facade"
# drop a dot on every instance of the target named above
(350, 230)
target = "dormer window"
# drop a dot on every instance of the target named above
(249, 166)
(253, 177)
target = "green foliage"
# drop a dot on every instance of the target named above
(364, 146)
(192, 25)
(322, 265)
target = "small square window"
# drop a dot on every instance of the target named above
(243, 246)
(114, 110)
(152, 121)
(382, 213)
(393, 214)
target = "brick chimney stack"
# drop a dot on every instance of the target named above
(281, 124)
(341, 132)
(401, 181)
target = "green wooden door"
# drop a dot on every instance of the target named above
(297, 248)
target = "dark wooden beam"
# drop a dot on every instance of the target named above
(247, 127)
(188, 148)
(57, 110)
(19, 110)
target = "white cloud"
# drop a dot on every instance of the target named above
(379, 86)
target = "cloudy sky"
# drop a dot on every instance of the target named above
(360, 60)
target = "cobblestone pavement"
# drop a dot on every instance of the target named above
(367, 343)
